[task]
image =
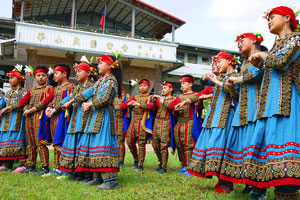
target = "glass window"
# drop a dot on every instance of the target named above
(192, 58)
(180, 56)
(205, 60)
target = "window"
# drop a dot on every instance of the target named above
(180, 56)
(205, 60)
(192, 58)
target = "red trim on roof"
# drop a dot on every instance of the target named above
(145, 4)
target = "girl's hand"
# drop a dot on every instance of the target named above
(235, 80)
(229, 83)
(205, 77)
(66, 105)
(212, 78)
(256, 59)
(86, 106)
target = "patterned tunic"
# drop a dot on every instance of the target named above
(281, 68)
(222, 101)
(248, 96)
(12, 135)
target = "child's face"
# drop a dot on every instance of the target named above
(276, 23)
(41, 78)
(166, 91)
(245, 45)
(104, 68)
(14, 81)
(82, 75)
(186, 86)
(215, 69)
(143, 88)
(223, 65)
(59, 76)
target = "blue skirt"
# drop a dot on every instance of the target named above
(68, 153)
(12, 145)
(209, 150)
(273, 158)
(236, 151)
(98, 152)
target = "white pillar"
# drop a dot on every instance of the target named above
(22, 12)
(73, 14)
(173, 34)
(133, 22)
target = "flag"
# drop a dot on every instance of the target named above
(103, 19)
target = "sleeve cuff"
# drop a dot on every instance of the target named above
(79, 98)
(58, 108)
(248, 77)
(40, 106)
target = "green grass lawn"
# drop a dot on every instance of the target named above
(144, 185)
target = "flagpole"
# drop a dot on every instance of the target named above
(104, 17)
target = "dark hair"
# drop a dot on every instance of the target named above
(263, 48)
(187, 75)
(22, 82)
(64, 66)
(118, 73)
(144, 79)
(172, 88)
(51, 81)
(41, 67)
(95, 77)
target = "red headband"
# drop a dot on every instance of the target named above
(83, 66)
(225, 55)
(144, 82)
(62, 69)
(214, 59)
(187, 79)
(40, 70)
(17, 75)
(169, 85)
(246, 35)
(258, 37)
(285, 11)
(105, 58)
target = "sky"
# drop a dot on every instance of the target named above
(211, 23)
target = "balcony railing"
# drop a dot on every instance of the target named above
(93, 29)
(91, 42)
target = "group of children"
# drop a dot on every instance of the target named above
(248, 135)
(78, 121)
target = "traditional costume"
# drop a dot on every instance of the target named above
(99, 151)
(35, 97)
(243, 123)
(186, 130)
(73, 140)
(163, 130)
(59, 120)
(210, 146)
(273, 155)
(12, 127)
(141, 125)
